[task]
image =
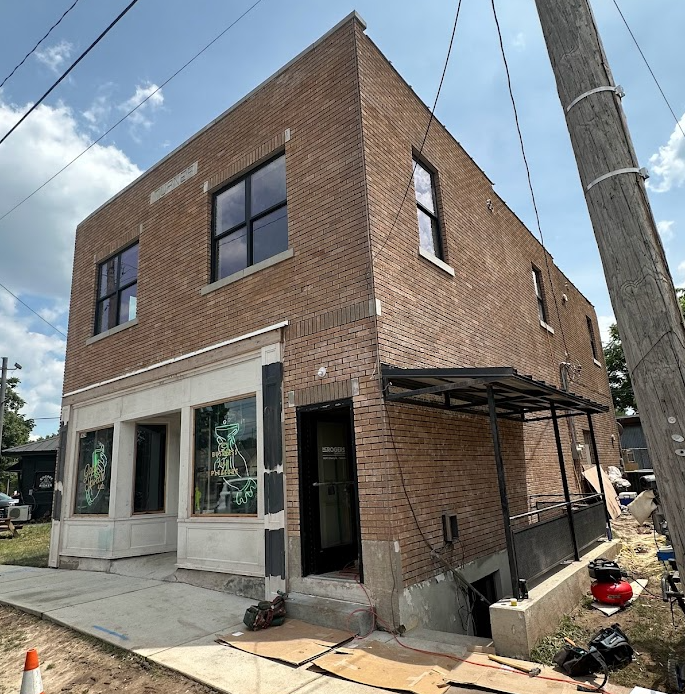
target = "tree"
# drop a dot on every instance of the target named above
(17, 427)
(619, 378)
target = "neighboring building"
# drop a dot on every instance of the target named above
(633, 441)
(36, 470)
(243, 316)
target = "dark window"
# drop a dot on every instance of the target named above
(225, 461)
(94, 472)
(117, 299)
(427, 210)
(148, 494)
(250, 220)
(539, 294)
(593, 342)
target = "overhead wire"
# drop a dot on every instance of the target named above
(68, 70)
(651, 72)
(425, 136)
(528, 175)
(35, 48)
(133, 110)
(23, 303)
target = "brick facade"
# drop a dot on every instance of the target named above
(348, 124)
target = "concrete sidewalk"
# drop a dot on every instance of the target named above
(174, 625)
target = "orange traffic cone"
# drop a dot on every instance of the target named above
(32, 682)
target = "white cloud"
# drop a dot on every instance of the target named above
(38, 238)
(41, 357)
(667, 166)
(604, 323)
(519, 42)
(54, 57)
(141, 118)
(665, 229)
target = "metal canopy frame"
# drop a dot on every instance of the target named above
(499, 393)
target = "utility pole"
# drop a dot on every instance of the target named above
(3, 392)
(637, 275)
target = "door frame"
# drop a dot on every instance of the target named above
(305, 531)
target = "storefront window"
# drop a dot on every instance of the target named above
(94, 471)
(225, 465)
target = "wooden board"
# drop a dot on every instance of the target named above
(509, 681)
(294, 642)
(613, 504)
(388, 666)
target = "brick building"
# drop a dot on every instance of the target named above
(236, 316)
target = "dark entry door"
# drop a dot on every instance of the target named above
(328, 490)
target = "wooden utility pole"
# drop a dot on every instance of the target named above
(637, 275)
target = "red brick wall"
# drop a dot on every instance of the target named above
(486, 315)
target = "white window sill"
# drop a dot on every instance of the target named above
(597, 362)
(112, 331)
(273, 260)
(547, 327)
(436, 261)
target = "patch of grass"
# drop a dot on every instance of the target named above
(29, 548)
(547, 647)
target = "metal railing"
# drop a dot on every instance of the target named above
(545, 537)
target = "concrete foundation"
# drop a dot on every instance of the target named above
(516, 629)
(439, 603)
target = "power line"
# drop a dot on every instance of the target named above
(530, 182)
(425, 137)
(133, 110)
(23, 303)
(651, 72)
(66, 12)
(68, 70)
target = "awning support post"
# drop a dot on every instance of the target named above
(595, 453)
(564, 481)
(501, 481)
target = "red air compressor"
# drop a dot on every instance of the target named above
(609, 587)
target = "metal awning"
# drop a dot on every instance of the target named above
(466, 390)
(500, 392)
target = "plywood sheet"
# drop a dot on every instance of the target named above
(388, 667)
(613, 504)
(508, 681)
(293, 642)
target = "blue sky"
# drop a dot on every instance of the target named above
(158, 36)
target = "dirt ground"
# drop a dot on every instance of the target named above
(71, 662)
(654, 631)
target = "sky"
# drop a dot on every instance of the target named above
(158, 36)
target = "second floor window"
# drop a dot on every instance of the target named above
(250, 220)
(427, 210)
(593, 341)
(539, 294)
(117, 299)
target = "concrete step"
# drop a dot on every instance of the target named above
(329, 612)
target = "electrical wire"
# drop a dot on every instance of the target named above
(425, 136)
(23, 303)
(67, 71)
(651, 72)
(133, 110)
(393, 632)
(33, 50)
(530, 182)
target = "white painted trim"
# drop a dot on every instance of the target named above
(173, 360)
(436, 261)
(597, 362)
(250, 270)
(547, 327)
(112, 331)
